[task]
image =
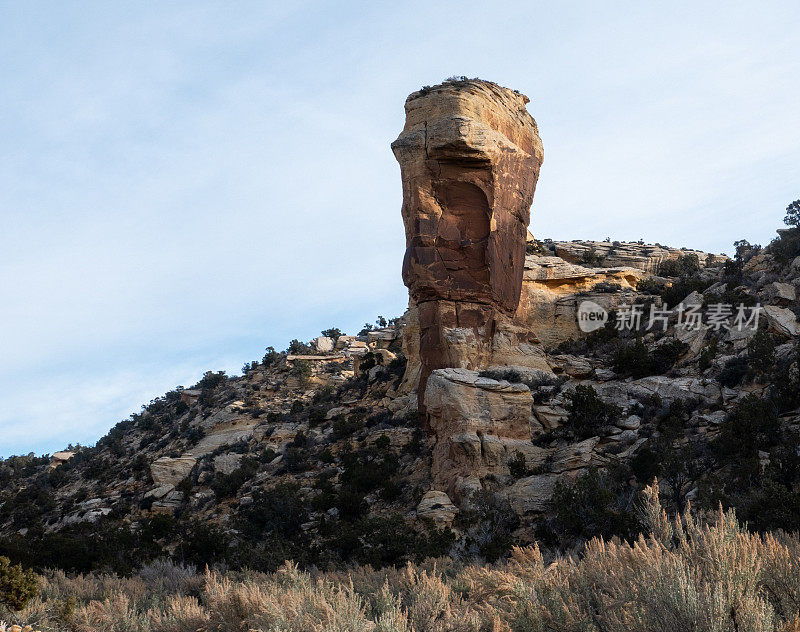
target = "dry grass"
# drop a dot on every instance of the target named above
(709, 576)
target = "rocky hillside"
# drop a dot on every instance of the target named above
(317, 453)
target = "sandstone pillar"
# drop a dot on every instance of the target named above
(469, 156)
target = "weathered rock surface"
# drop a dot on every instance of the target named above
(645, 257)
(782, 320)
(171, 471)
(469, 156)
(476, 422)
(532, 494)
(437, 506)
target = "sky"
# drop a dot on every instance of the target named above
(185, 183)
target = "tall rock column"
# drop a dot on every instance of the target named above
(469, 156)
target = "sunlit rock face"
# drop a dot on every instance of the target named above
(469, 156)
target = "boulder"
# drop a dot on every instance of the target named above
(550, 417)
(58, 458)
(171, 470)
(227, 463)
(437, 506)
(780, 293)
(631, 422)
(781, 320)
(323, 344)
(578, 455)
(667, 388)
(471, 417)
(532, 494)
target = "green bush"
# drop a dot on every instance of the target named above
(346, 426)
(591, 259)
(17, 585)
(489, 522)
(277, 510)
(517, 465)
(226, 485)
(588, 413)
(681, 288)
(333, 332)
(636, 361)
(733, 372)
(786, 246)
(649, 286)
(761, 353)
(593, 506)
(708, 354)
(684, 265)
(299, 348)
(752, 425)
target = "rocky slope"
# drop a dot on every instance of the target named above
(317, 454)
(528, 393)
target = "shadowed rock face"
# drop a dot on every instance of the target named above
(469, 157)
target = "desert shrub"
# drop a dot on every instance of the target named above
(270, 357)
(588, 413)
(346, 426)
(607, 287)
(752, 425)
(733, 372)
(698, 573)
(299, 348)
(591, 259)
(761, 353)
(226, 485)
(250, 366)
(350, 504)
(732, 271)
(684, 265)
(682, 287)
(383, 442)
(208, 386)
(536, 247)
(595, 505)
(296, 458)
(301, 369)
(211, 380)
(368, 361)
(203, 544)
(634, 359)
(786, 246)
(489, 522)
(785, 387)
(708, 354)
(17, 585)
(166, 576)
(316, 415)
(333, 332)
(276, 510)
(397, 366)
(510, 375)
(517, 465)
(366, 471)
(649, 286)
(645, 465)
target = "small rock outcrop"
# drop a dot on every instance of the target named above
(479, 423)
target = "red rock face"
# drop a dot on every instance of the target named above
(469, 156)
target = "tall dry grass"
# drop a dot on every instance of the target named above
(688, 575)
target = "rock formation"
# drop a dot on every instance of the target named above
(469, 156)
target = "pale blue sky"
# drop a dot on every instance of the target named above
(185, 183)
